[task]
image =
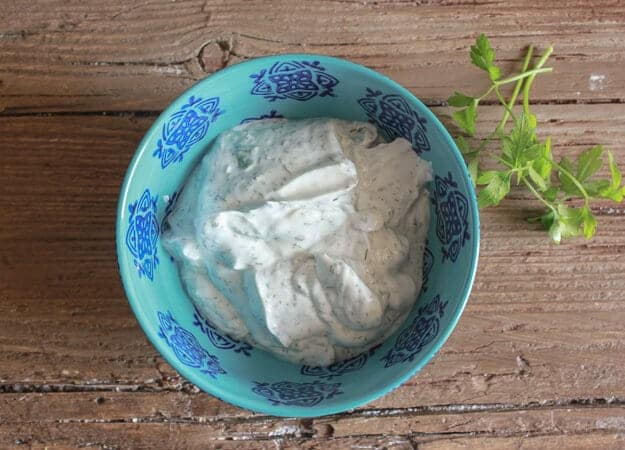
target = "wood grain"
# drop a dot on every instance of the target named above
(116, 56)
(149, 420)
(536, 360)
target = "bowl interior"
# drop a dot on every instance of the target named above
(291, 86)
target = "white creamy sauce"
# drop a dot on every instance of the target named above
(304, 238)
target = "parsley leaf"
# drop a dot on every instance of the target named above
(542, 164)
(466, 118)
(614, 171)
(473, 167)
(595, 188)
(459, 100)
(589, 222)
(483, 56)
(521, 145)
(613, 190)
(566, 224)
(497, 187)
(567, 182)
(589, 162)
(529, 160)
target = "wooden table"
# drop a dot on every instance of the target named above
(538, 358)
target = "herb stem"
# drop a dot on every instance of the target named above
(503, 102)
(505, 163)
(517, 89)
(538, 196)
(528, 82)
(487, 93)
(521, 76)
(527, 183)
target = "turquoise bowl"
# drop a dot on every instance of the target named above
(292, 86)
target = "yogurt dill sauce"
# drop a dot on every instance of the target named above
(304, 238)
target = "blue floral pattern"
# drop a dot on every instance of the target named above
(297, 80)
(273, 114)
(393, 115)
(186, 127)
(341, 367)
(222, 341)
(452, 216)
(186, 347)
(142, 234)
(421, 331)
(428, 264)
(291, 393)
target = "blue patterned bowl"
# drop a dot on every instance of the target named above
(293, 86)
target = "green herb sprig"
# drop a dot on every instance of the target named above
(526, 160)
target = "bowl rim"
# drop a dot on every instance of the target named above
(245, 400)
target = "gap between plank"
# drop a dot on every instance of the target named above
(428, 102)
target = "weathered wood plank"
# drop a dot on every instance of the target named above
(160, 430)
(89, 56)
(195, 409)
(574, 442)
(570, 442)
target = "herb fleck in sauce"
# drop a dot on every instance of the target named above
(304, 238)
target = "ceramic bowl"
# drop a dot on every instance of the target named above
(291, 86)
